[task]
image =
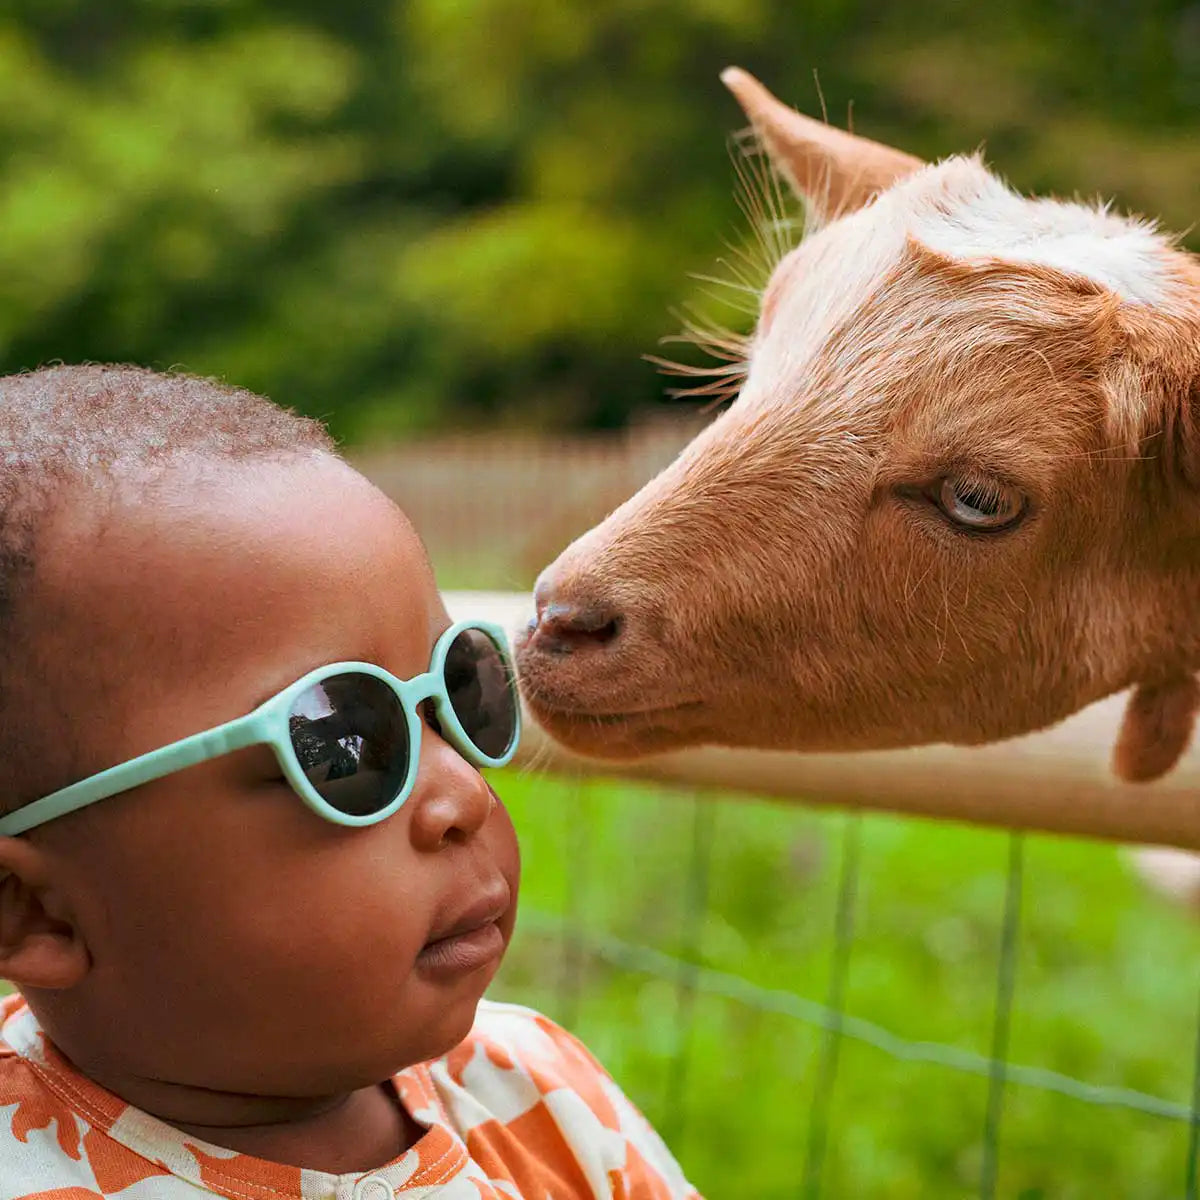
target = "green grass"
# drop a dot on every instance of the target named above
(1108, 981)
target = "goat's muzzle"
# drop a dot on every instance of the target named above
(596, 666)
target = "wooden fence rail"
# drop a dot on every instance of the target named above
(1056, 781)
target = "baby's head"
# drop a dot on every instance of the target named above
(173, 553)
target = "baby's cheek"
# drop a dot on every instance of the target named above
(503, 843)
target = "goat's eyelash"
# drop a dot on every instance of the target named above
(772, 234)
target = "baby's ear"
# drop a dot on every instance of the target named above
(40, 943)
(1156, 729)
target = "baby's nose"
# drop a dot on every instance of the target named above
(451, 801)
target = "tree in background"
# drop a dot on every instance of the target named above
(405, 213)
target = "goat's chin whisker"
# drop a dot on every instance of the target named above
(538, 761)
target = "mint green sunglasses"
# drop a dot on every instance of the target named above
(347, 736)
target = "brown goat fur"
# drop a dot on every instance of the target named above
(801, 576)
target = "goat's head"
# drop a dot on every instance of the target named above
(955, 500)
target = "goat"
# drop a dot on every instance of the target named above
(955, 500)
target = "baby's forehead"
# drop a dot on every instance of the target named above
(211, 589)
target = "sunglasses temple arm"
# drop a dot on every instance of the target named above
(224, 739)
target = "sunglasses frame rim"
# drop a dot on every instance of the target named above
(268, 725)
(411, 693)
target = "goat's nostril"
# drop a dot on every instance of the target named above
(564, 628)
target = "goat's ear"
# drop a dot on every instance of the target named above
(1156, 729)
(833, 171)
(1155, 394)
(1180, 449)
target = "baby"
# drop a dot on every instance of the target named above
(252, 883)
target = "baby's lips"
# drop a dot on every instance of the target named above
(488, 905)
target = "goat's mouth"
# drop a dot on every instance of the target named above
(614, 716)
(624, 733)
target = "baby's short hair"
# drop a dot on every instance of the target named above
(74, 425)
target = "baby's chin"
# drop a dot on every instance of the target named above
(455, 1031)
(416, 1037)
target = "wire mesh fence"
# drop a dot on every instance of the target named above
(674, 1092)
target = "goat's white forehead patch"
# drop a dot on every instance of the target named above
(961, 210)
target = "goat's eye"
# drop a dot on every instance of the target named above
(980, 503)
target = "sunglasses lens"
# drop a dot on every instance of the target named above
(479, 682)
(351, 737)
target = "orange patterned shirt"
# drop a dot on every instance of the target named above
(520, 1109)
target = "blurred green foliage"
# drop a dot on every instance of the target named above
(402, 213)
